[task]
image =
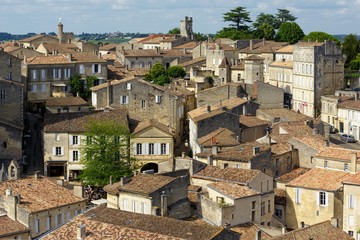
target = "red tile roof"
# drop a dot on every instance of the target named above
(353, 179)
(66, 101)
(248, 231)
(287, 177)
(234, 191)
(219, 137)
(10, 227)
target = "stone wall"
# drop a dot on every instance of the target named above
(10, 65)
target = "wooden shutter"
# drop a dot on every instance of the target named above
(134, 147)
(99, 69)
(62, 151)
(93, 68)
(167, 149)
(54, 151)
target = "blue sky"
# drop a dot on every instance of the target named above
(145, 16)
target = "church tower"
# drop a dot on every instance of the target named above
(60, 31)
(186, 28)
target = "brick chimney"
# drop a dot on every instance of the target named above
(80, 232)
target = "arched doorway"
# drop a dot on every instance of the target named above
(149, 167)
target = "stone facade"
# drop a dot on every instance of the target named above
(10, 67)
(351, 212)
(186, 28)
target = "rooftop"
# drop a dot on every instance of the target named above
(353, 179)
(285, 114)
(232, 190)
(284, 64)
(286, 49)
(219, 137)
(350, 104)
(319, 178)
(11, 227)
(296, 172)
(151, 123)
(65, 101)
(336, 153)
(39, 194)
(193, 61)
(280, 196)
(280, 148)
(252, 121)
(264, 47)
(58, 59)
(237, 175)
(248, 231)
(86, 57)
(60, 47)
(106, 223)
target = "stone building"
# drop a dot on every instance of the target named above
(39, 204)
(34, 41)
(10, 67)
(151, 194)
(351, 207)
(329, 110)
(186, 28)
(66, 104)
(349, 117)
(336, 158)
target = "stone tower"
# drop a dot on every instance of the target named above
(60, 31)
(186, 27)
(254, 69)
(225, 71)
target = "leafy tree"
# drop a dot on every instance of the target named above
(162, 80)
(265, 31)
(81, 87)
(156, 71)
(320, 37)
(290, 32)
(200, 37)
(283, 15)
(350, 47)
(239, 18)
(263, 18)
(76, 85)
(176, 71)
(106, 153)
(233, 34)
(174, 31)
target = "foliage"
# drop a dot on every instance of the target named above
(321, 37)
(176, 71)
(158, 75)
(355, 64)
(239, 18)
(174, 31)
(263, 18)
(266, 31)
(81, 87)
(290, 32)
(162, 80)
(282, 16)
(210, 80)
(200, 37)
(106, 153)
(351, 48)
(233, 34)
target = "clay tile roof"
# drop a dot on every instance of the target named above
(252, 121)
(248, 231)
(58, 59)
(287, 177)
(11, 227)
(264, 47)
(146, 183)
(60, 47)
(336, 153)
(109, 47)
(234, 191)
(237, 175)
(254, 57)
(193, 197)
(106, 223)
(319, 178)
(39, 194)
(350, 104)
(224, 63)
(280, 196)
(75, 122)
(173, 53)
(86, 57)
(32, 38)
(140, 53)
(201, 113)
(309, 44)
(219, 137)
(112, 188)
(188, 45)
(194, 188)
(110, 56)
(151, 123)
(66, 101)
(193, 61)
(284, 64)
(353, 179)
(286, 49)
(323, 230)
(225, 47)
(280, 148)
(285, 114)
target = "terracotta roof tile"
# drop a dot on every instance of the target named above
(292, 175)
(106, 223)
(261, 47)
(39, 194)
(194, 188)
(248, 231)
(336, 153)
(66, 101)
(350, 104)
(219, 137)
(193, 61)
(280, 148)
(280, 196)
(323, 230)
(58, 59)
(193, 197)
(286, 49)
(285, 114)
(252, 121)
(60, 47)
(285, 64)
(11, 227)
(234, 191)
(188, 45)
(109, 47)
(254, 57)
(319, 178)
(309, 44)
(353, 179)
(32, 38)
(151, 123)
(237, 175)
(86, 57)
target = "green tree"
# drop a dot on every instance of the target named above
(321, 37)
(290, 32)
(264, 18)
(200, 37)
(351, 48)
(156, 71)
(239, 18)
(283, 15)
(265, 31)
(106, 153)
(76, 85)
(81, 86)
(233, 34)
(174, 31)
(162, 80)
(176, 71)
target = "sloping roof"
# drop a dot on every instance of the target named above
(336, 153)
(252, 121)
(350, 104)
(201, 113)
(231, 190)
(109, 47)
(264, 47)
(58, 59)
(280, 196)
(287, 177)
(353, 179)
(280, 148)
(60, 47)
(237, 175)
(224, 63)
(39, 194)
(193, 61)
(285, 114)
(323, 230)
(286, 49)
(75, 122)
(319, 178)
(32, 38)
(188, 45)
(309, 44)
(219, 137)
(86, 57)
(254, 57)
(151, 123)
(106, 223)
(284, 64)
(9, 226)
(66, 101)
(146, 183)
(249, 230)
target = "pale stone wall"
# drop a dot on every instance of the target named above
(351, 211)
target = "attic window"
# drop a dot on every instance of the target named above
(4, 144)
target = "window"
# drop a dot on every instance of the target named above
(43, 88)
(33, 74)
(351, 233)
(151, 149)
(276, 162)
(133, 206)
(58, 151)
(267, 185)
(269, 206)
(143, 104)
(96, 68)
(125, 204)
(298, 195)
(68, 216)
(325, 164)
(77, 212)
(237, 165)
(346, 167)
(4, 144)
(322, 198)
(253, 213)
(56, 73)
(138, 149)
(57, 137)
(75, 156)
(67, 73)
(262, 208)
(220, 200)
(351, 201)
(75, 140)
(81, 69)
(43, 74)
(34, 88)
(59, 219)
(48, 223)
(278, 213)
(10, 62)
(124, 99)
(10, 75)
(253, 204)
(351, 220)
(37, 225)
(128, 86)
(2, 94)
(163, 148)
(157, 99)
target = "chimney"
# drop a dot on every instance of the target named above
(123, 181)
(214, 149)
(302, 225)
(8, 192)
(37, 174)
(183, 154)
(69, 56)
(353, 164)
(157, 50)
(208, 108)
(283, 230)
(269, 139)
(108, 84)
(210, 160)
(256, 150)
(132, 46)
(111, 180)
(238, 138)
(25, 59)
(163, 204)
(10, 204)
(60, 182)
(80, 232)
(334, 222)
(258, 234)
(227, 226)
(326, 143)
(217, 47)
(315, 131)
(251, 44)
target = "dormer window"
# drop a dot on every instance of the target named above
(157, 99)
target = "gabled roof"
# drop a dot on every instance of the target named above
(350, 104)
(236, 175)
(287, 177)
(193, 61)
(252, 121)
(323, 230)
(39, 194)
(60, 47)
(32, 38)
(188, 45)
(320, 179)
(58, 59)
(249, 231)
(264, 47)
(338, 154)
(109, 47)
(86, 57)
(233, 191)
(10, 227)
(65, 101)
(151, 123)
(102, 223)
(353, 179)
(219, 137)
(286, 49)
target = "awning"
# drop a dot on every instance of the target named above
(59, 84)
